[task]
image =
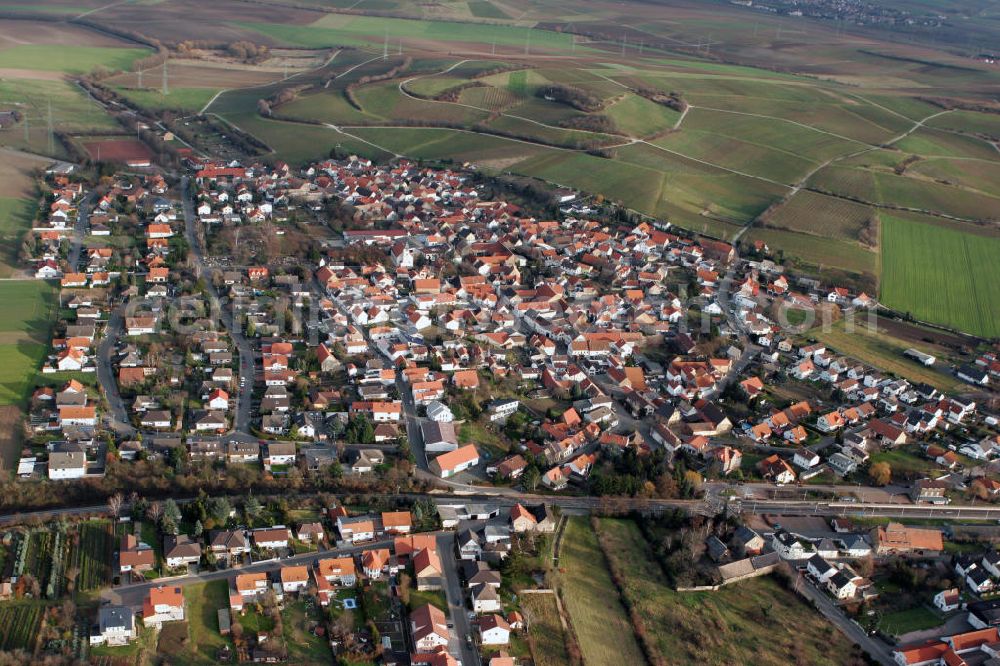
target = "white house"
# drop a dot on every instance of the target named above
(485, 599)
(67, 465)
(271, 537)
(841, 586)
(357, 529)
(805, 459)
(115, 626)
(438, 411)
(820, 569)
(163, 604)
(948, 600)
(294, 579)
(494, 630)
(788, 546)
(429, 628)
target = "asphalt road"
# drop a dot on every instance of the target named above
(106, 372)
(458, 647)
(241, 420)
(80, 230)
(133, 594)
(878, 650)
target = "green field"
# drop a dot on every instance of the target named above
(23, 336)
(181, 99)
(202, 603)
(822, 253)
(970, 122)
(917, 194)
(69, 58)
(347, 30)
(16, 216)
(882, 351)
(758, 621)
(941, 275)
(911, 619)
(545, 631)
(71, 110)
(591, 600)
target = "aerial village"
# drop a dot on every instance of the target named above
(437, 339)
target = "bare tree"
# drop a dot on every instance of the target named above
(154, 512)
(115, 503)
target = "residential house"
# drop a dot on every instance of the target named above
(134, 555)
(230, 544)
(428, 628)
(454, 462)
(180, 550)
(115, 626)
(294, 578)
(494, 630)
(163, 604)
(271, 538)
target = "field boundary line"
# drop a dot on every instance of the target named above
(404, 91)
(717, 166)
(784, 120)
(325, 64)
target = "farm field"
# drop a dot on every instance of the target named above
(117, 149)
(181, 99)
(892, 190)
(71, 109)
(16, 216)
(973, 174)
(92, 555)
(822, 215)
(19, 624)
(23, 336)
(941, 275)
(825, 253)
(591, 600)
(348, 30)
(878, 348)
(758, 621)
(546, 635)
(68, 58)
(969, 122)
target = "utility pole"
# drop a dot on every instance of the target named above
(400, 47)
(385, 46)
(139, 74)
(166, 82)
